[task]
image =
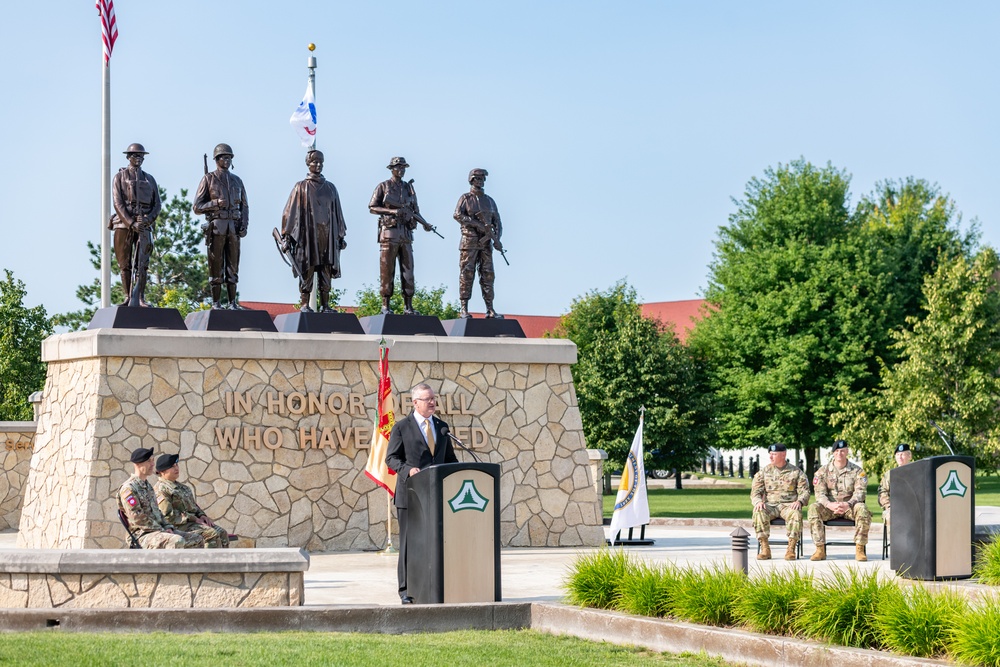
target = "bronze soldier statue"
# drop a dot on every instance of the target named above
(479, 218)
(137, 205)
(313, 230)
(395, 203)
(222, 199)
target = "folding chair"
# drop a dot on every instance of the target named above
(781, 522)
(132, 542)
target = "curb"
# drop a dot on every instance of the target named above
(553, 618)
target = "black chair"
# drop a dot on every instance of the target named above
(781, 522)
(132, 542)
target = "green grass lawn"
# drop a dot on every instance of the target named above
(305, 649)
(722, 503)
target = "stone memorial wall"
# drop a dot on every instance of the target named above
(273, 432)
(17, 439)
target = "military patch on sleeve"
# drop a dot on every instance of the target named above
(130, 499)
(159, 498)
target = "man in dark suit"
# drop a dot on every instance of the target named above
(416, 442)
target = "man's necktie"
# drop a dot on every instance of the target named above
(429, 432)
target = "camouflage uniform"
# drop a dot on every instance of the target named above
(176, 502)
(883, 496)
(833, 485)
(137, 500)
(778, 488)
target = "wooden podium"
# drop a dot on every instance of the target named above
(933, 518)
(453, 536)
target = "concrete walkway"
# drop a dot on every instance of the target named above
(538, 574)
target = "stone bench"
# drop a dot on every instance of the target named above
(183, 578)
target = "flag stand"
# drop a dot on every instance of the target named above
(389, 549)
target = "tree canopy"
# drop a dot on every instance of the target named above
(949, 373)
(805, 294)
(626, 362)
(22, 331)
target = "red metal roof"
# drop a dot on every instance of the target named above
(682, 314)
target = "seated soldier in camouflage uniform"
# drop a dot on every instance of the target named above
(903, 456)
(176, 502)
(840, 487)
(779, 489)
(138, 501)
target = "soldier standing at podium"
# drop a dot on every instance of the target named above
(417, 441)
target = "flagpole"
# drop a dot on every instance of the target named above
(105, 183)
(311, 64)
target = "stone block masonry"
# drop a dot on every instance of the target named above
(273, 432)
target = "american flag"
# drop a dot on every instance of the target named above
(109, 28)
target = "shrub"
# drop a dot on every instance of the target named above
(976, 639)
(594, 578)
(987, 568)
(842, 609)
(769, 604)
(648, 590)
(708, 595)
(919, 622)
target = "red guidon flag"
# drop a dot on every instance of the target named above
(376, 469)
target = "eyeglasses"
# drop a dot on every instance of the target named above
(427, 400)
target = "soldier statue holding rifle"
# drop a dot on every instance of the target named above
(395, 203)
(136, 200)
(477, 214)
(222, 199)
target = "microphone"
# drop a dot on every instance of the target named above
(944, 436)
(447, 432)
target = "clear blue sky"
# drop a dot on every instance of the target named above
(615, 134)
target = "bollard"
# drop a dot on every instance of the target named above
(713, 465)
(741, 466)
(731, 466)
(741, 544)
(704, 467)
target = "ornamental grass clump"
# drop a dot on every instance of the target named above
(919, 622)
(976, 636)
(708, 595)
(647, 590)
(594, 579)
(987, 567)
(769, 603)
(842, 609)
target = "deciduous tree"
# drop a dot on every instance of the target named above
(22, 331)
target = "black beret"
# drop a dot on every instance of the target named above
(165, 461)
(839, 444)
(902, 448)
(777, 447)
(141, 455)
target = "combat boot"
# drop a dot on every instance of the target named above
(385, 305)
(820, 553)
(859, 553)
(490, 313)
(304, 303)
(464, 313)
(408, 306)
(324, 303)
(765, 549)
(216, 297)
(790, 551)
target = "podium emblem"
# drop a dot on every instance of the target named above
(953, 486)
(468, 498)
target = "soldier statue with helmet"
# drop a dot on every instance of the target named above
(222, 199)
(136, 199)
(395, 203)
(479, 218)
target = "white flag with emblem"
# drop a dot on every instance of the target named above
(631, 505)
(303, 119)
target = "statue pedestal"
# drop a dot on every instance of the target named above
(341, 323)
(124, 317)
(484, 328)
(402, 325)
(230, 320)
